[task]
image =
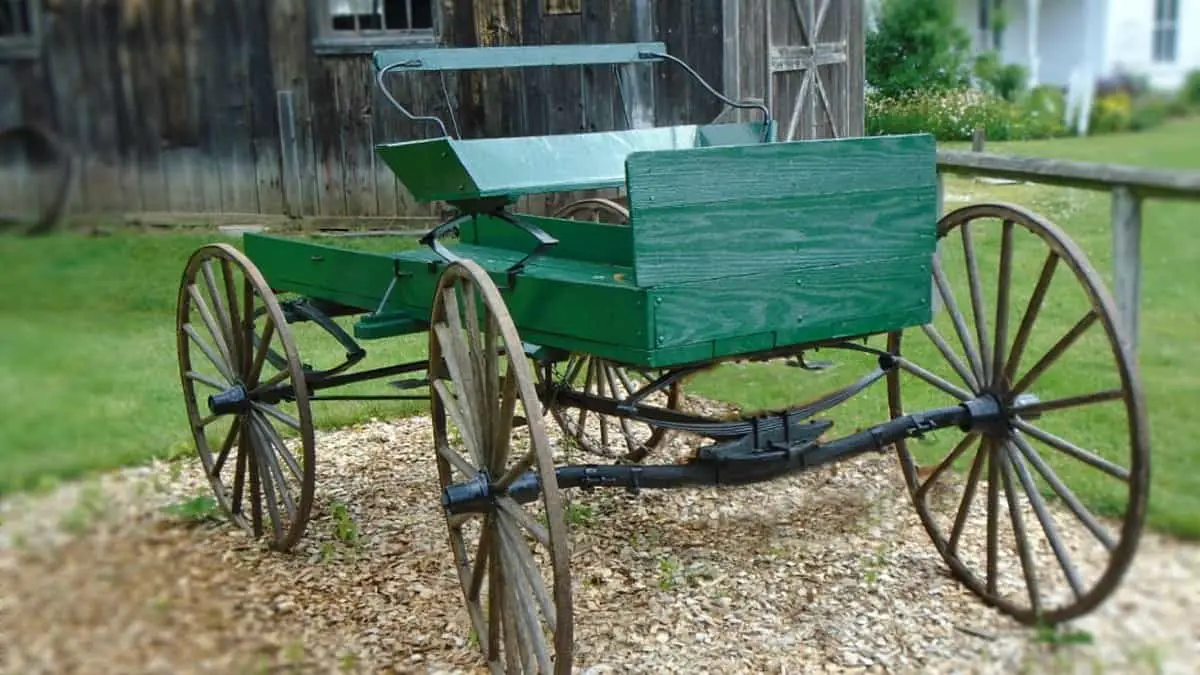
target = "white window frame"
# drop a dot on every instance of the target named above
(23, 45)
(1164, 32)
(326, 40)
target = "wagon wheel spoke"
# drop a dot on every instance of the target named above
(229, 324)
(1039, 510)
(512, 562)
(588, 429)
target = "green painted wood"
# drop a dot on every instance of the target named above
(558, 300)
(603, 243)
(527, 56)
(713, 212)
(388, 324)
(450, 169)
(804, 304)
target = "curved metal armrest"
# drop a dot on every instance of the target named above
(544, 240)
(404, 111)
(723, 98)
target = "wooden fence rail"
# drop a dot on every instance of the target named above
(1128, 185)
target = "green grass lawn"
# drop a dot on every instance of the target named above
(91, 381)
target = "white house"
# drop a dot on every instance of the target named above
(1061, 40)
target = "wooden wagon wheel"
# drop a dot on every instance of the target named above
(1029, 557)
(227, 321)
(508, 557)
(604, 378)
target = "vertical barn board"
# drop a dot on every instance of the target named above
(534, 81)
(14, 170)
(66, 81)
(636, 82)
(202, 163)
(102, 169)
(357, 155)
(498, 23)
(290, 57)
(260, 92)
(174, 39)
(228, 92)
(856, 68)
(603, 21)
(327, 120)
(564, 89)
(705, 41)
(124, 153)
(140, 86)
(671, 102)
(35, 108)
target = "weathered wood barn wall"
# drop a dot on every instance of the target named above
(251, 110)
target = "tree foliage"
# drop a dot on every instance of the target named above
(917, 45)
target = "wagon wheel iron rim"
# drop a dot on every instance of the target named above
(605, 379)
(1011, 341)
(514, 553)
(227, 321)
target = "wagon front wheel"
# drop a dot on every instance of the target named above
(510, 546)
(245, 394)
(1039, 514)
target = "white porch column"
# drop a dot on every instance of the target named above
(1033, 12)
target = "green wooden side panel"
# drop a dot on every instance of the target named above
(602, 243)
(450, 169)
(556, 302)
(707, 213)
(786, 307)
(480, 58)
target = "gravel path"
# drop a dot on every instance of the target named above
(828, 571)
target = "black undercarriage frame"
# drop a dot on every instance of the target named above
(747, 450)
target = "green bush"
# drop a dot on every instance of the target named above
(1190, 92)
(954, 115)
(917, 45)
(1006, 80)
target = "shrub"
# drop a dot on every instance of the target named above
(1005, 80)
(1149, 111)
(917, 45)
(1111, 113)
(1190, 92)
(954, 115)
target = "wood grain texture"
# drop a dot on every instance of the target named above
(719, 212)
(802, 304)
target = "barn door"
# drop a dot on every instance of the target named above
(809, 69)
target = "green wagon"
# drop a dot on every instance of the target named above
(729, 246)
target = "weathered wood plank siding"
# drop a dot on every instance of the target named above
(233, 110)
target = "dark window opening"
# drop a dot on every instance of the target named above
(1165, 36)
(16, 18)
(365, 16)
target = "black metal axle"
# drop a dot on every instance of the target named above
(737, 462)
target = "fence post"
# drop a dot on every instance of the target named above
(1127, 258)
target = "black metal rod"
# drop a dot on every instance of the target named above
(734, 467)
(283, 391)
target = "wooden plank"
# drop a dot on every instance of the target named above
(637, 81)
(1163, 184)
(143, 94)
(534, 81)
(354, 76)
(1127, 260)
(290, 56)
(705, 39)
(327, 121)
(780, 204)
(230, 108)
(203, 163)
(101, 171)
(855, 87)
(14, 167)
(731, 54)
(671, 100)
(803, 303)
(601, 99)
(790, 58)
(66, 83)
(262, 117)
(178, 49)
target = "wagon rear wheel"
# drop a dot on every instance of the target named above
(228, 322)
(1043, 515)
(512, 560)
(591, 431)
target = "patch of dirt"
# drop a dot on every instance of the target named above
(825, 571)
